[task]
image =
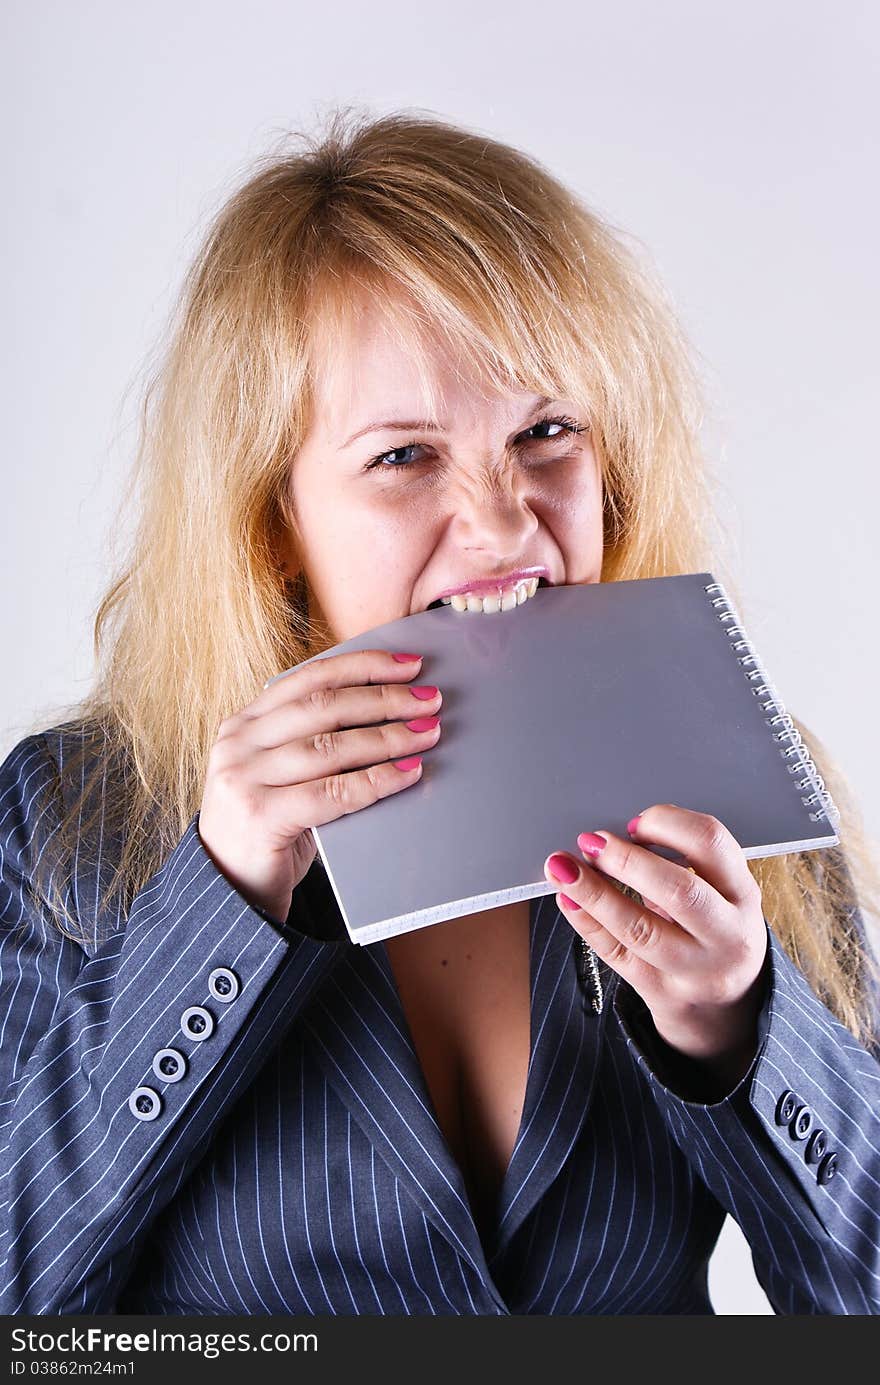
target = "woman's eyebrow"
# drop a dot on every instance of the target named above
(422, 425)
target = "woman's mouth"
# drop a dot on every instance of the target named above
(504, 599)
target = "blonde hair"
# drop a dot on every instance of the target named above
(465, 237)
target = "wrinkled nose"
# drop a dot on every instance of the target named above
(493, 517)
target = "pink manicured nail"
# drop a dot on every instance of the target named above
(591, 844)
(566, 902)
(562, 869)
(423, 723)
(424, 691)
(406, 658)
(411, 762)
(633, 825)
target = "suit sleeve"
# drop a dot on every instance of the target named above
(793, 1152)
(118, 1062)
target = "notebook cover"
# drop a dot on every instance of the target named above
(571, 713)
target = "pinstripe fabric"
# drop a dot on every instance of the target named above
(297, 1166)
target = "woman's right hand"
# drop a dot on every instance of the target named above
(318, 743)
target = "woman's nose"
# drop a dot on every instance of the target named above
(494, 514)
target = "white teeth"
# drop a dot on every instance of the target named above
(512, 596)
(483, 603)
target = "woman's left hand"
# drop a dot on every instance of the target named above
(695, 949)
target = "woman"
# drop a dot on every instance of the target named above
(213, 1102)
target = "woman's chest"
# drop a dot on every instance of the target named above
(464, 990)
(298, 1202)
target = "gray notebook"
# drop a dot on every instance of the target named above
(571, 713)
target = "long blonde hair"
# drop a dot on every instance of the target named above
(476, 241)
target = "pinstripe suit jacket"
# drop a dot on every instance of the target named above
(297, 1166)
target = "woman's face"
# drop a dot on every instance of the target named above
(481, 493)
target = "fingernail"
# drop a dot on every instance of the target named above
(591, 843)
(411, 762)
(423, 724)
(406, 658)
(566, 902)
(561, 868)
(423, 691)
(633, 825)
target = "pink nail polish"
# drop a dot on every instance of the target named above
(591, 843)
(425, 691)
(566, 902)
(406, 658)
(562, 869)
(411, 762)
(633, 825)
(423, 723)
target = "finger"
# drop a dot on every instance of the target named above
(330, 709)
(640, 974)
(710, 848)
(635, 926)
(697, 908)
(333, 752)
(652, 904)
(360, 666)
(291, 808)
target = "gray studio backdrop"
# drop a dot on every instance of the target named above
(738, 143)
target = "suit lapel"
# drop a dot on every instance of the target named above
(357, 1028)
(565, 1047)
(360, 1036)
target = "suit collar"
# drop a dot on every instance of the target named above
(357, 1028)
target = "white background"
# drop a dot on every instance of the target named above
(738, 142)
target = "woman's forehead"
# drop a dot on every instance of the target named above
(382, 371)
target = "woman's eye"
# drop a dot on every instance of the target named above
(392, 461)
(389, 456)
(560, 423)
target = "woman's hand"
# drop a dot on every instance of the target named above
(696, 955)
(318, 743)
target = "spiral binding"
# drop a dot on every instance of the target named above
(802, 761)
